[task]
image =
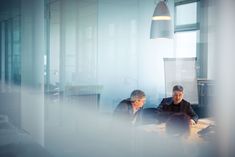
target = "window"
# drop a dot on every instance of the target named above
(186, 43)
(186, 14)
(53, 39)
(10, 56)
(187, 28)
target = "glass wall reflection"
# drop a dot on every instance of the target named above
(103, 47)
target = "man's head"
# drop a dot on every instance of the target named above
(138, 98)
(177, 94)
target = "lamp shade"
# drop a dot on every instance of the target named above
(161, 26)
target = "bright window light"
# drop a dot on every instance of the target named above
(186, 43)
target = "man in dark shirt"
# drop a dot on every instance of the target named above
(128, 109)
(176, 104)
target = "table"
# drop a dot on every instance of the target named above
(194, 129)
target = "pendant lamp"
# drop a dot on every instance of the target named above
(161, 26)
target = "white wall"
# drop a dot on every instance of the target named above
(211, 40)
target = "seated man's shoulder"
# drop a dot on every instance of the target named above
(185, 102)
(128, 100)
(167, 101)
(124, 103)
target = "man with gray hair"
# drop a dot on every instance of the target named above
(129, 108)
(176, 104)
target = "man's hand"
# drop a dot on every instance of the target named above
(192, 122)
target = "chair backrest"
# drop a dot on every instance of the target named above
(148, 116)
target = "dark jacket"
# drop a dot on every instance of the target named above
(167, 105)
(124, 111)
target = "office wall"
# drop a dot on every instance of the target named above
(211, 39)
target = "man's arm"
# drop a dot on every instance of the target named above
(160, 106)
(121, 109)
(192, 113)
(122, 112)
(164, 110)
